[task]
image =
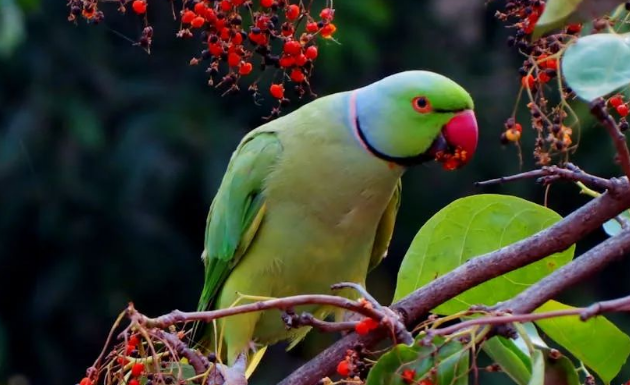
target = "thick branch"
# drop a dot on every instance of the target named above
(478, 270)
(598, 109)
(568, 275)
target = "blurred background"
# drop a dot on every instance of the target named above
(109, 159)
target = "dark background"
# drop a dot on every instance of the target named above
(109, 159)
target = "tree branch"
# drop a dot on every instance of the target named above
(568, 275)
(478, 270)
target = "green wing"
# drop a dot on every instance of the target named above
(237, 210)
(385, 228)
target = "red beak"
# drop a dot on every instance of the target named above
(461, 135)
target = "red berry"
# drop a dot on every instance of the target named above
(574, 28)
(623, 110)
(286, 61)
(133, 381)
(293, 12)
(134, 340)
(139, 7)
(343, 368)
(266, 3)
(312, 27)
(543, 77)
(518, 127)
(85, 381)
(297, 75)
(220, 23)
(122, 361)
(408, 376)
(328, 30)
(292, 47)
(245, 69)
(226, 6)
(129, 349)
(210, 15)
(200, 8)
(300, 60)
(234, 59)
(277, 91)
(197, 22)
(327, 14)
(237, 3)
(552, 64)
(215, 49)
(426, 382)
(311, 53)
(188, 16)
(528, 81)
(371, 323)
(237, 39)
(225, 34)
(616, 101)
(137, 369)
(361, 328)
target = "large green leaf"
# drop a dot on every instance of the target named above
(597, 65)
(597, 342)
(450, 358)
(470, 227)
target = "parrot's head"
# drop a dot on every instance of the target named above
(416, 116)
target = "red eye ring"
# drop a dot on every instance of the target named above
(421, 104)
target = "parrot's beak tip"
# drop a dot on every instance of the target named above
(458, 140)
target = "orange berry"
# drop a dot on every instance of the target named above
(328, 30)
(623, 110)
(188, 16)
(343, 368)
(197, 22)
(513, 135)
(233, 59)
(277, 91)
(408, 376)
(245, 69)
(293, 12)
(311, 53)
(266, 3)
(292, 47)
(615, 101)
(312, 27)
(139, 7)
(85, 381)
(137, 369)
(327, 14)
(200, 8)
(528, 81)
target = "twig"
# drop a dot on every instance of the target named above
(198, 362)
(598, 109)
(478, 270)
(550, 174)
(292, 320)
(176, 316)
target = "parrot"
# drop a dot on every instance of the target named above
(310, 199)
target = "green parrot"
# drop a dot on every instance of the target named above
(310, 199)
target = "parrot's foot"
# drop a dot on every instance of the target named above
(235, 374)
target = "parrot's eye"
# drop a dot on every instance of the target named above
(421, 104)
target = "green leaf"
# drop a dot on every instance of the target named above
(555, 15)
(538, 369)
(560, 371)
(470, 227)
(598, 343)
(559, 12)
(510, 358)
(597, 65)
(452, 362)
(613, 227)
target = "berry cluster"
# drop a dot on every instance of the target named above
(539, 68)
(239, 35)
(353, 365)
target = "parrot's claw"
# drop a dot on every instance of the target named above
(235, 374)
